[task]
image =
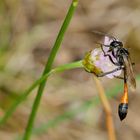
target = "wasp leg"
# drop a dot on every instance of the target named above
(117, 64)
(119, 77)
(106, 73)
(107, 109)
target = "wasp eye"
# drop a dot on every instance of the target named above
(116, 44)
(120, 43)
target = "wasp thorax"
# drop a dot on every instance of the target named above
(116, 43)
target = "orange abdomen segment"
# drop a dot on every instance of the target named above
(123, 106)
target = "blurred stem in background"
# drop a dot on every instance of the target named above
(107, 109)
(47, 69)
(110, 93)
(44, 127)
(70, 114)
(5, 27)
(73, 65)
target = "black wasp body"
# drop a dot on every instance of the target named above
(123, 61)
(117, 50)
(120, 57)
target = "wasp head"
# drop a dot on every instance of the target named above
(116, 44)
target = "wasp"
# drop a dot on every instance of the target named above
(120, 57)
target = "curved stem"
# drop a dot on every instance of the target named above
(107, 108)
(24, 95)
(48, 68)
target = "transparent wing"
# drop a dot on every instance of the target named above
(103, 35)
(129, 73)
(105, 40)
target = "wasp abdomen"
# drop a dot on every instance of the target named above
(122, 110)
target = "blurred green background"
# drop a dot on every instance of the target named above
(28, 29)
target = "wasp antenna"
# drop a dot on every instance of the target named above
(103, 34)
(129, 48)
(123, 106)
(98, 43)
(101, 44)
(133, 63)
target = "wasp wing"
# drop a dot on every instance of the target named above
(129, 72)
(103, 34)
(106, 39)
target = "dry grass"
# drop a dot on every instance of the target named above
(27, 32)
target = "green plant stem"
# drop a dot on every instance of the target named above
(24, 95)
(48, 66)
(70, 114)
(43, 128)
(114, 91)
